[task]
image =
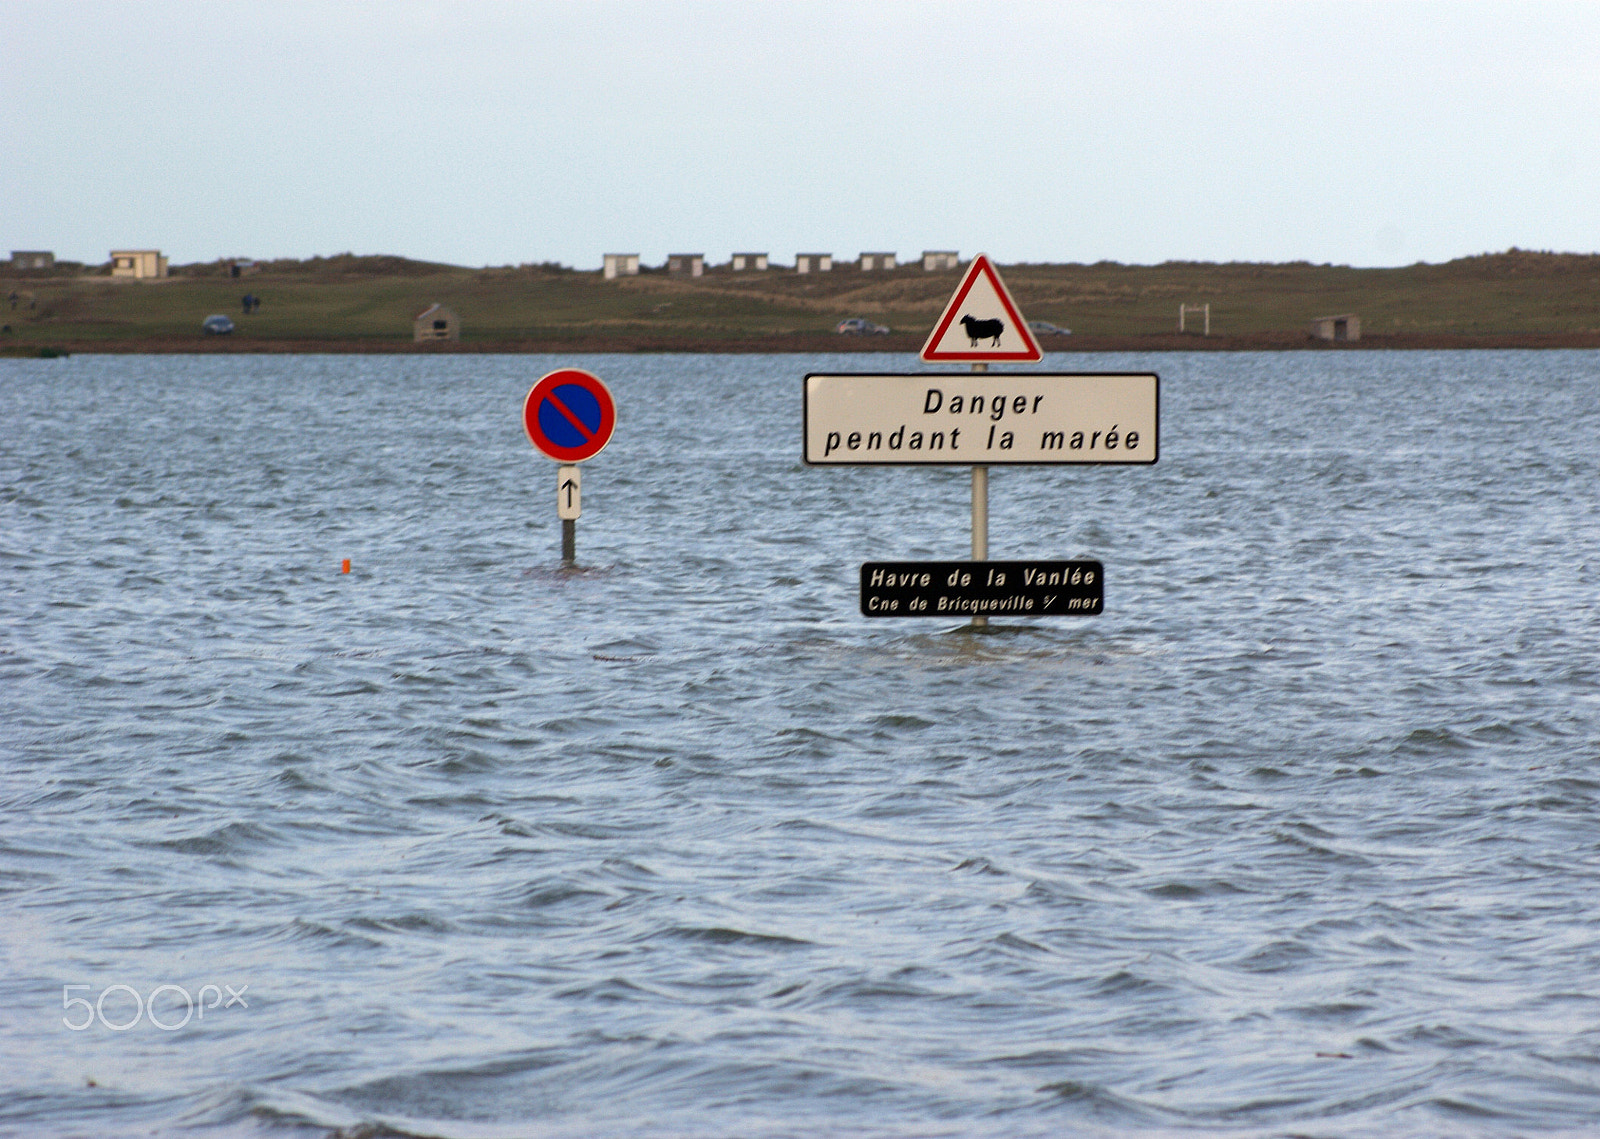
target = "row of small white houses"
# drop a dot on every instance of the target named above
(151, 263)
(694, 264)
(124, 262)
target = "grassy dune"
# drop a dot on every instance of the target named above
(367, 303)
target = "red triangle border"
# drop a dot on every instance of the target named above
(981, 264)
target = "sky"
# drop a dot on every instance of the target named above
(1369, 134)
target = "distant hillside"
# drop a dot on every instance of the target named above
(349, 302)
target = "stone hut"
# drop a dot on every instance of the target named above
(813, 262)
(749, 262)
(934, 260)
(138, 263)
(874, 262)
(621, 265)
(32, 259)
(436, 322)
(686, 264)
(1345, 326)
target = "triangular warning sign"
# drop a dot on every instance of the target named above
(981, 322)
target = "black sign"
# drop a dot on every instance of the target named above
(982, 589)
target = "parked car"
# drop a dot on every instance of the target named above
(858, 326)
(217, 325)
(1045, 328)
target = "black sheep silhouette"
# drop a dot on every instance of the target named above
(979, 329)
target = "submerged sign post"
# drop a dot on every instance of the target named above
(995, 332)
(569, 416)
(981, 419)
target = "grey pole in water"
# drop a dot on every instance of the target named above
(569, 540)
(980, 515)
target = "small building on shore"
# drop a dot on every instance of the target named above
(936, 260)
(1345, 326)
(749, 262)
(813, 262)
(436, 322)
(141, 264)
(32, 259)
(876, 262)
(686, 264)
(621, 265)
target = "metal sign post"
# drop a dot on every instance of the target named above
(980, 516)
(990, 328)
(569, 416)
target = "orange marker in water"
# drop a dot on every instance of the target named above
(344, 567)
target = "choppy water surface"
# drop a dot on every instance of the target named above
(1301, 837)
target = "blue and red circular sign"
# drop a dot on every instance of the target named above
(569, 415)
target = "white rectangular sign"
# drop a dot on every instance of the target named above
(569, 492)
(981, 418)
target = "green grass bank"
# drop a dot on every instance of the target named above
(350, 303)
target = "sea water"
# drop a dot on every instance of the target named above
(1300, 836)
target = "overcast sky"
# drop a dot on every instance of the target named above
(487, 133)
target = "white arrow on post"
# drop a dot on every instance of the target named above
(569, 492)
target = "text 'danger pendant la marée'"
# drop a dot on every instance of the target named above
(987, 418)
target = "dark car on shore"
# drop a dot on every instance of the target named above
(217, 325)
(859, 326)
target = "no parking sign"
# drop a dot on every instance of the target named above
(569, 415)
